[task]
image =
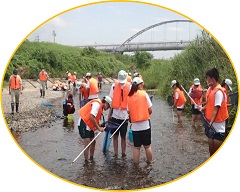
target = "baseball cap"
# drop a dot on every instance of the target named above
(88, 75)
(173, 82)
(229, 83)
(137, 80)
(122, 76)
(196, 81)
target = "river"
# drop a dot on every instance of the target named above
(177, 151)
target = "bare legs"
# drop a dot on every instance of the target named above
(136, 154)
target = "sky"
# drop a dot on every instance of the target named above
(114, 23)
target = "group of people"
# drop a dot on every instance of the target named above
(214, 109)
(127, 103)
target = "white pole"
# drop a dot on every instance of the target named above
(118, 127)
(86, 147)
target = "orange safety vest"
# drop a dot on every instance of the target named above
(43, 76)
(197, 93)
(226, 94)
(222, 114)
(181, 99)
(138, 107)
(83, 90)
(85, 113)
(74, 78)
(93, 89)
(15, 82)
(119, 100)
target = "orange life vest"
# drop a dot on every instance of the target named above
(74, 78)
(15, 82)
(222, 114)
(181, 98)
(119, 100)
(43, 76)
(85, 113)
(83, 90)
(196, 94)
(93, 89)
(138, 107)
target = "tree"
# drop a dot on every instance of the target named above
(143, 59)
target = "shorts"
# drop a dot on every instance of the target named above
(142, 138)
(180, 109)
(123, 129)
(219, 136)
(83, 132)
(195, 111)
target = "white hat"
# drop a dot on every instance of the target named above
(173, 82)
(229, 83)
(196, 81)
(122, 76)
(137, 80)
(88, 75)
(108, 99)
(136, 74)
(75, 72)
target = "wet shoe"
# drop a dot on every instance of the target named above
(124, 155)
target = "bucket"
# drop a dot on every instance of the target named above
(70, 117)
(130, 135)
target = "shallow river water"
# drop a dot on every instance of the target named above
(176, 152)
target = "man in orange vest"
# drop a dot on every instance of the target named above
(196, 93)
(92, 86)
(119, 114)
(15, 89)
(90, 115)
(43, 77)
(216, 111)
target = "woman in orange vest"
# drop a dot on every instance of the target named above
(216, 111)
(179, 99)
(89, 122)
(92, 87)
(43, 77)
(139, 109)
(15, 89)
(196, 93)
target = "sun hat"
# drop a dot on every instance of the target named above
(137, 80)
(196, 81)
(173, 82)
(122, 76)
(88, 75)
(108, 100)
(75, 72)
(229, 83)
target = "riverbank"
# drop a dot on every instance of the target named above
(32, 114)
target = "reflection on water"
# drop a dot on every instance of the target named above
(177, 150)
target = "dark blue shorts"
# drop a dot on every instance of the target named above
(83, 132)
(123, 129)
(195, 111)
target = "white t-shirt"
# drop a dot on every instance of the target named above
(118, 113)
(94, 112)
(220, 126)
(94, 96)
(142, 125)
